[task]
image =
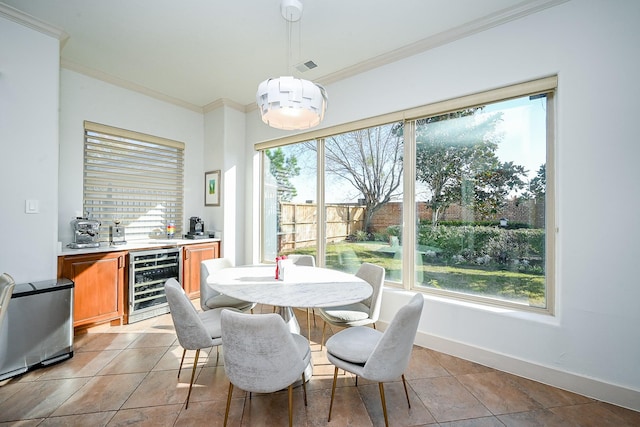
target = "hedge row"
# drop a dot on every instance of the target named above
(477, 243)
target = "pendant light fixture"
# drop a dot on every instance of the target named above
(287, 102)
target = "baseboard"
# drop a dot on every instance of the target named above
(605, 392)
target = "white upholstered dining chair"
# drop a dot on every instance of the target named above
(374, 355)
(261, 355)
(195, 330)
(360, 313)
(306, 261)
(209, 297)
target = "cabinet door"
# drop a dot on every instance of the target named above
(98, 286)
(191, 258)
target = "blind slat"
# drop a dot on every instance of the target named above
(134, 178)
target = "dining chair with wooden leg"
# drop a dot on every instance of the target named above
(210, 298)
(374, 355)
(261, 355)
(195, 330)
(360, 313)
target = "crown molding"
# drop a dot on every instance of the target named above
(108, 78)
(510, 14)
(224, 102)
(32, 22)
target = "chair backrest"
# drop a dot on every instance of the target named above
(260, 354)
(374, 275)
(209, 267)
(305, 260)
(390, 358)
(191, 332)
(6, 290)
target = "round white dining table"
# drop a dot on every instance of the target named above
(302, 286)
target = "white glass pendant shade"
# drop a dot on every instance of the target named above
(290, 103)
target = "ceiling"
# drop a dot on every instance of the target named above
(200, 52)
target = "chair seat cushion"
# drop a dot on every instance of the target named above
(354, 344)
(222, 300)
(211, 320)
(347, 313)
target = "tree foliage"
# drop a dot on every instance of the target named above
(283, 168)
(456, 160)
(538, 185)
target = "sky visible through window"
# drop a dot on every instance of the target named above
(523, 142)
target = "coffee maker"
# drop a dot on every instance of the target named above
(86, 233)
(196, 228)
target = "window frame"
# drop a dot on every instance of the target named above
(546, 85)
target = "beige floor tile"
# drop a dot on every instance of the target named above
(132, 360)
(83, 364)
(160, 338)
(155, 416)
(423, 364)
(160, 388)
(105, 341)
(101, 393)
(22, 423)
(538, 418)
(97, 419)
(348, 408)
(447, 399)
(546, 395)
(210, 414)
(211, 384)
(497, 393)
(39, 399)
(457, 366)
(398, 411)
(594, 414)
(475, 422)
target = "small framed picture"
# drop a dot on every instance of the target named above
(212, 188)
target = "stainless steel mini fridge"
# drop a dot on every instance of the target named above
(38, 328)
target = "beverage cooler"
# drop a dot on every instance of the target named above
(148, 271)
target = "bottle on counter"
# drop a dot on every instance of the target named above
(171, 230)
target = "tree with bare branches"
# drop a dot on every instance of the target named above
(371, 161)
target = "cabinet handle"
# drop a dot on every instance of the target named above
(186, 254)
(120, 261)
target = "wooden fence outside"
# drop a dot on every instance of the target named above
(298, 224)
(298, 227)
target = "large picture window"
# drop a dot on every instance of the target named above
(133, 179)
(454, 198)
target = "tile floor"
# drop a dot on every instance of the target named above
(128, 376)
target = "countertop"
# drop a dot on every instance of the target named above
(138, 245)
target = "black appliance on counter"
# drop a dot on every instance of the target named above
(196, 229)
(38, 327)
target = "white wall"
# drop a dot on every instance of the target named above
(225, 150)
(29, 64)
(592, 344)
(85, 98)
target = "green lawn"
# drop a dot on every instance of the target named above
(507, 285)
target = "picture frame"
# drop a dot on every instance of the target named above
(212, 188)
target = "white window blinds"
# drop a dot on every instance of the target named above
(133, 178)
